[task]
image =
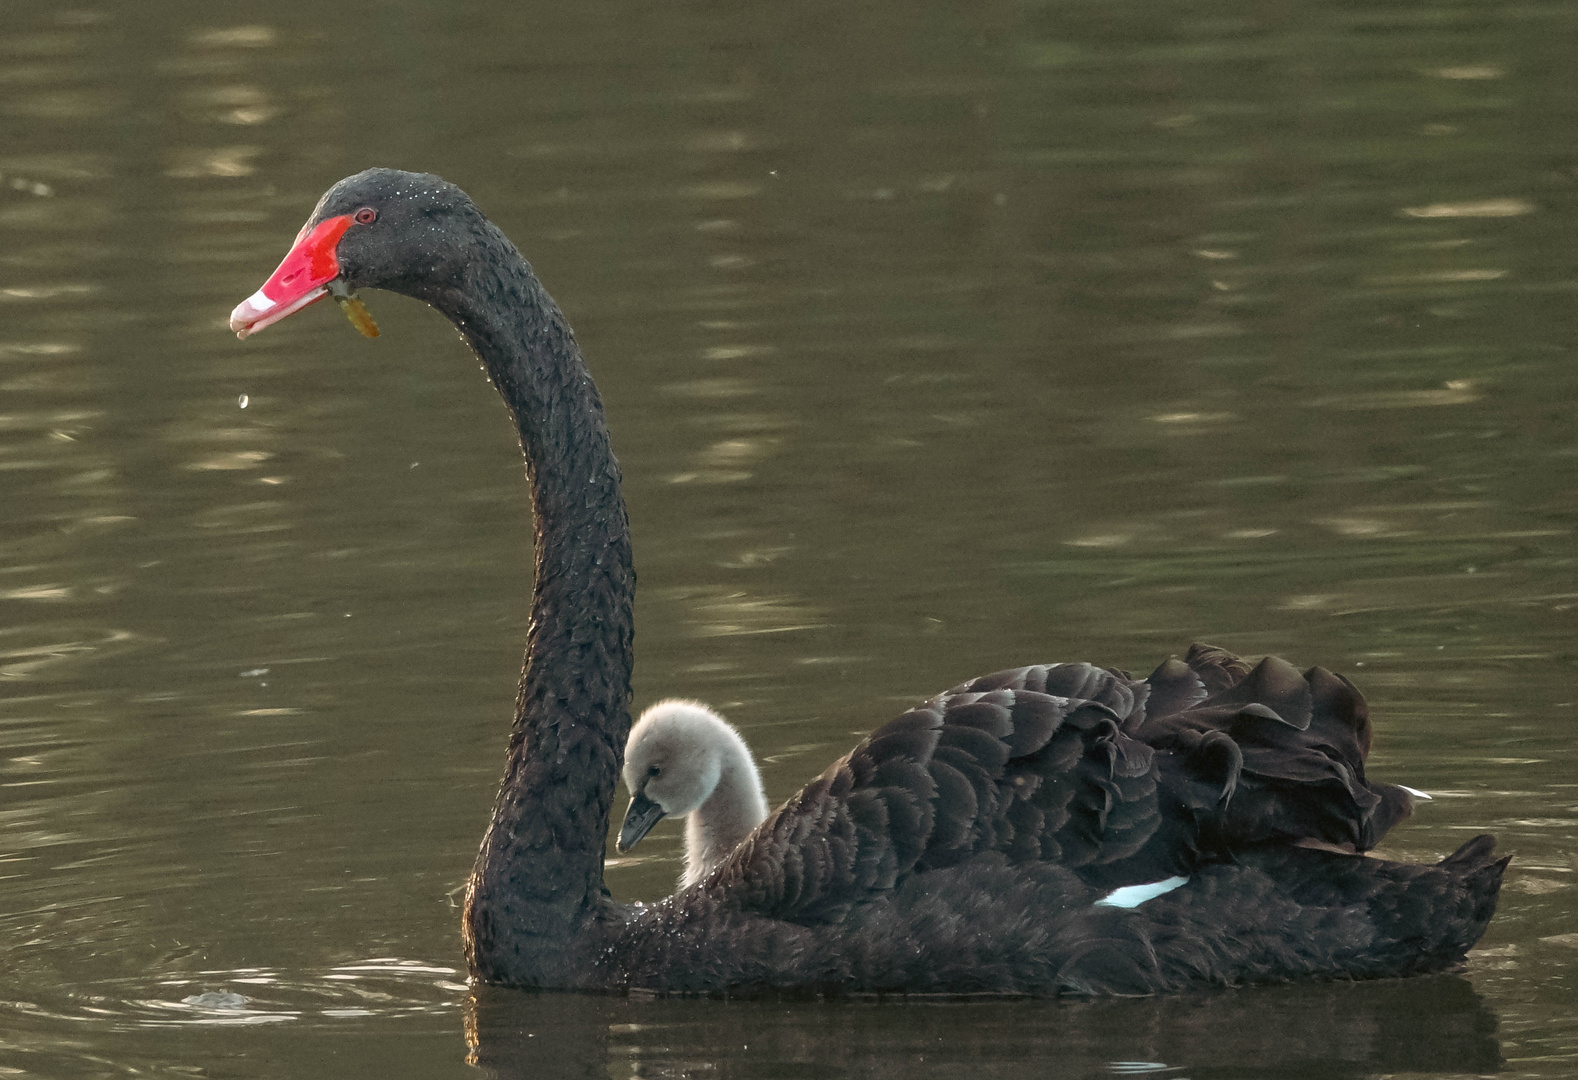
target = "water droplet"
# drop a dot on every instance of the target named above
(241, 402)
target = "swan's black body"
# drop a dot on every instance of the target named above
(962, 847)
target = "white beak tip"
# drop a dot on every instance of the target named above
(248, 313)
(258, 311)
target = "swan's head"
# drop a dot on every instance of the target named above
(380, 229)
(672, 764)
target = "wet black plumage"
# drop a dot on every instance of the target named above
(961, 847)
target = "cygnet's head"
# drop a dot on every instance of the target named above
(672, 763)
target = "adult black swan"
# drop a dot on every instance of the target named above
(1054, 828)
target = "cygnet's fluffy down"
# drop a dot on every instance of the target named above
(683, 759)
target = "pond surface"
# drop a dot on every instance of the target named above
(934, 340)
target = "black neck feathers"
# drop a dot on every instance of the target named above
(538, 879)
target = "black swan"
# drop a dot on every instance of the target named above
(686, 760)
(1049, 829)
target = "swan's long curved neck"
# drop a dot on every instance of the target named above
(538, 879)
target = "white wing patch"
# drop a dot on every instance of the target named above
(1132, 896)
(1415, 792)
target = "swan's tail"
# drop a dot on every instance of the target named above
(1479, 871)
(1441, 911)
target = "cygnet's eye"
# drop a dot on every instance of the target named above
(366, 216)
(654, 770)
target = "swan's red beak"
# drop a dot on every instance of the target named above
(302, 279)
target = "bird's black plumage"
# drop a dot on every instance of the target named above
(962, 847)
(971, 844)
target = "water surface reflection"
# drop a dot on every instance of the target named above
(1434, 1025)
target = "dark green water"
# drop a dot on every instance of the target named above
(934, 340)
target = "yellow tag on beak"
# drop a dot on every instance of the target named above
(356, 311)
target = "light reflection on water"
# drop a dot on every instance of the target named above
(932, 342)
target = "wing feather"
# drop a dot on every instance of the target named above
(1117, 779)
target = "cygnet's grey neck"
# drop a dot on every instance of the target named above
(736, 806)
(683, 759)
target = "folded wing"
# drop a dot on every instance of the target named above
(1118, 779)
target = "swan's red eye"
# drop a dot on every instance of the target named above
(366, 216)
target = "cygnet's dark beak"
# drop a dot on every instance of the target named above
(639, 819)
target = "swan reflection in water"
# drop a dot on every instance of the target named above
(1435, 1024)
